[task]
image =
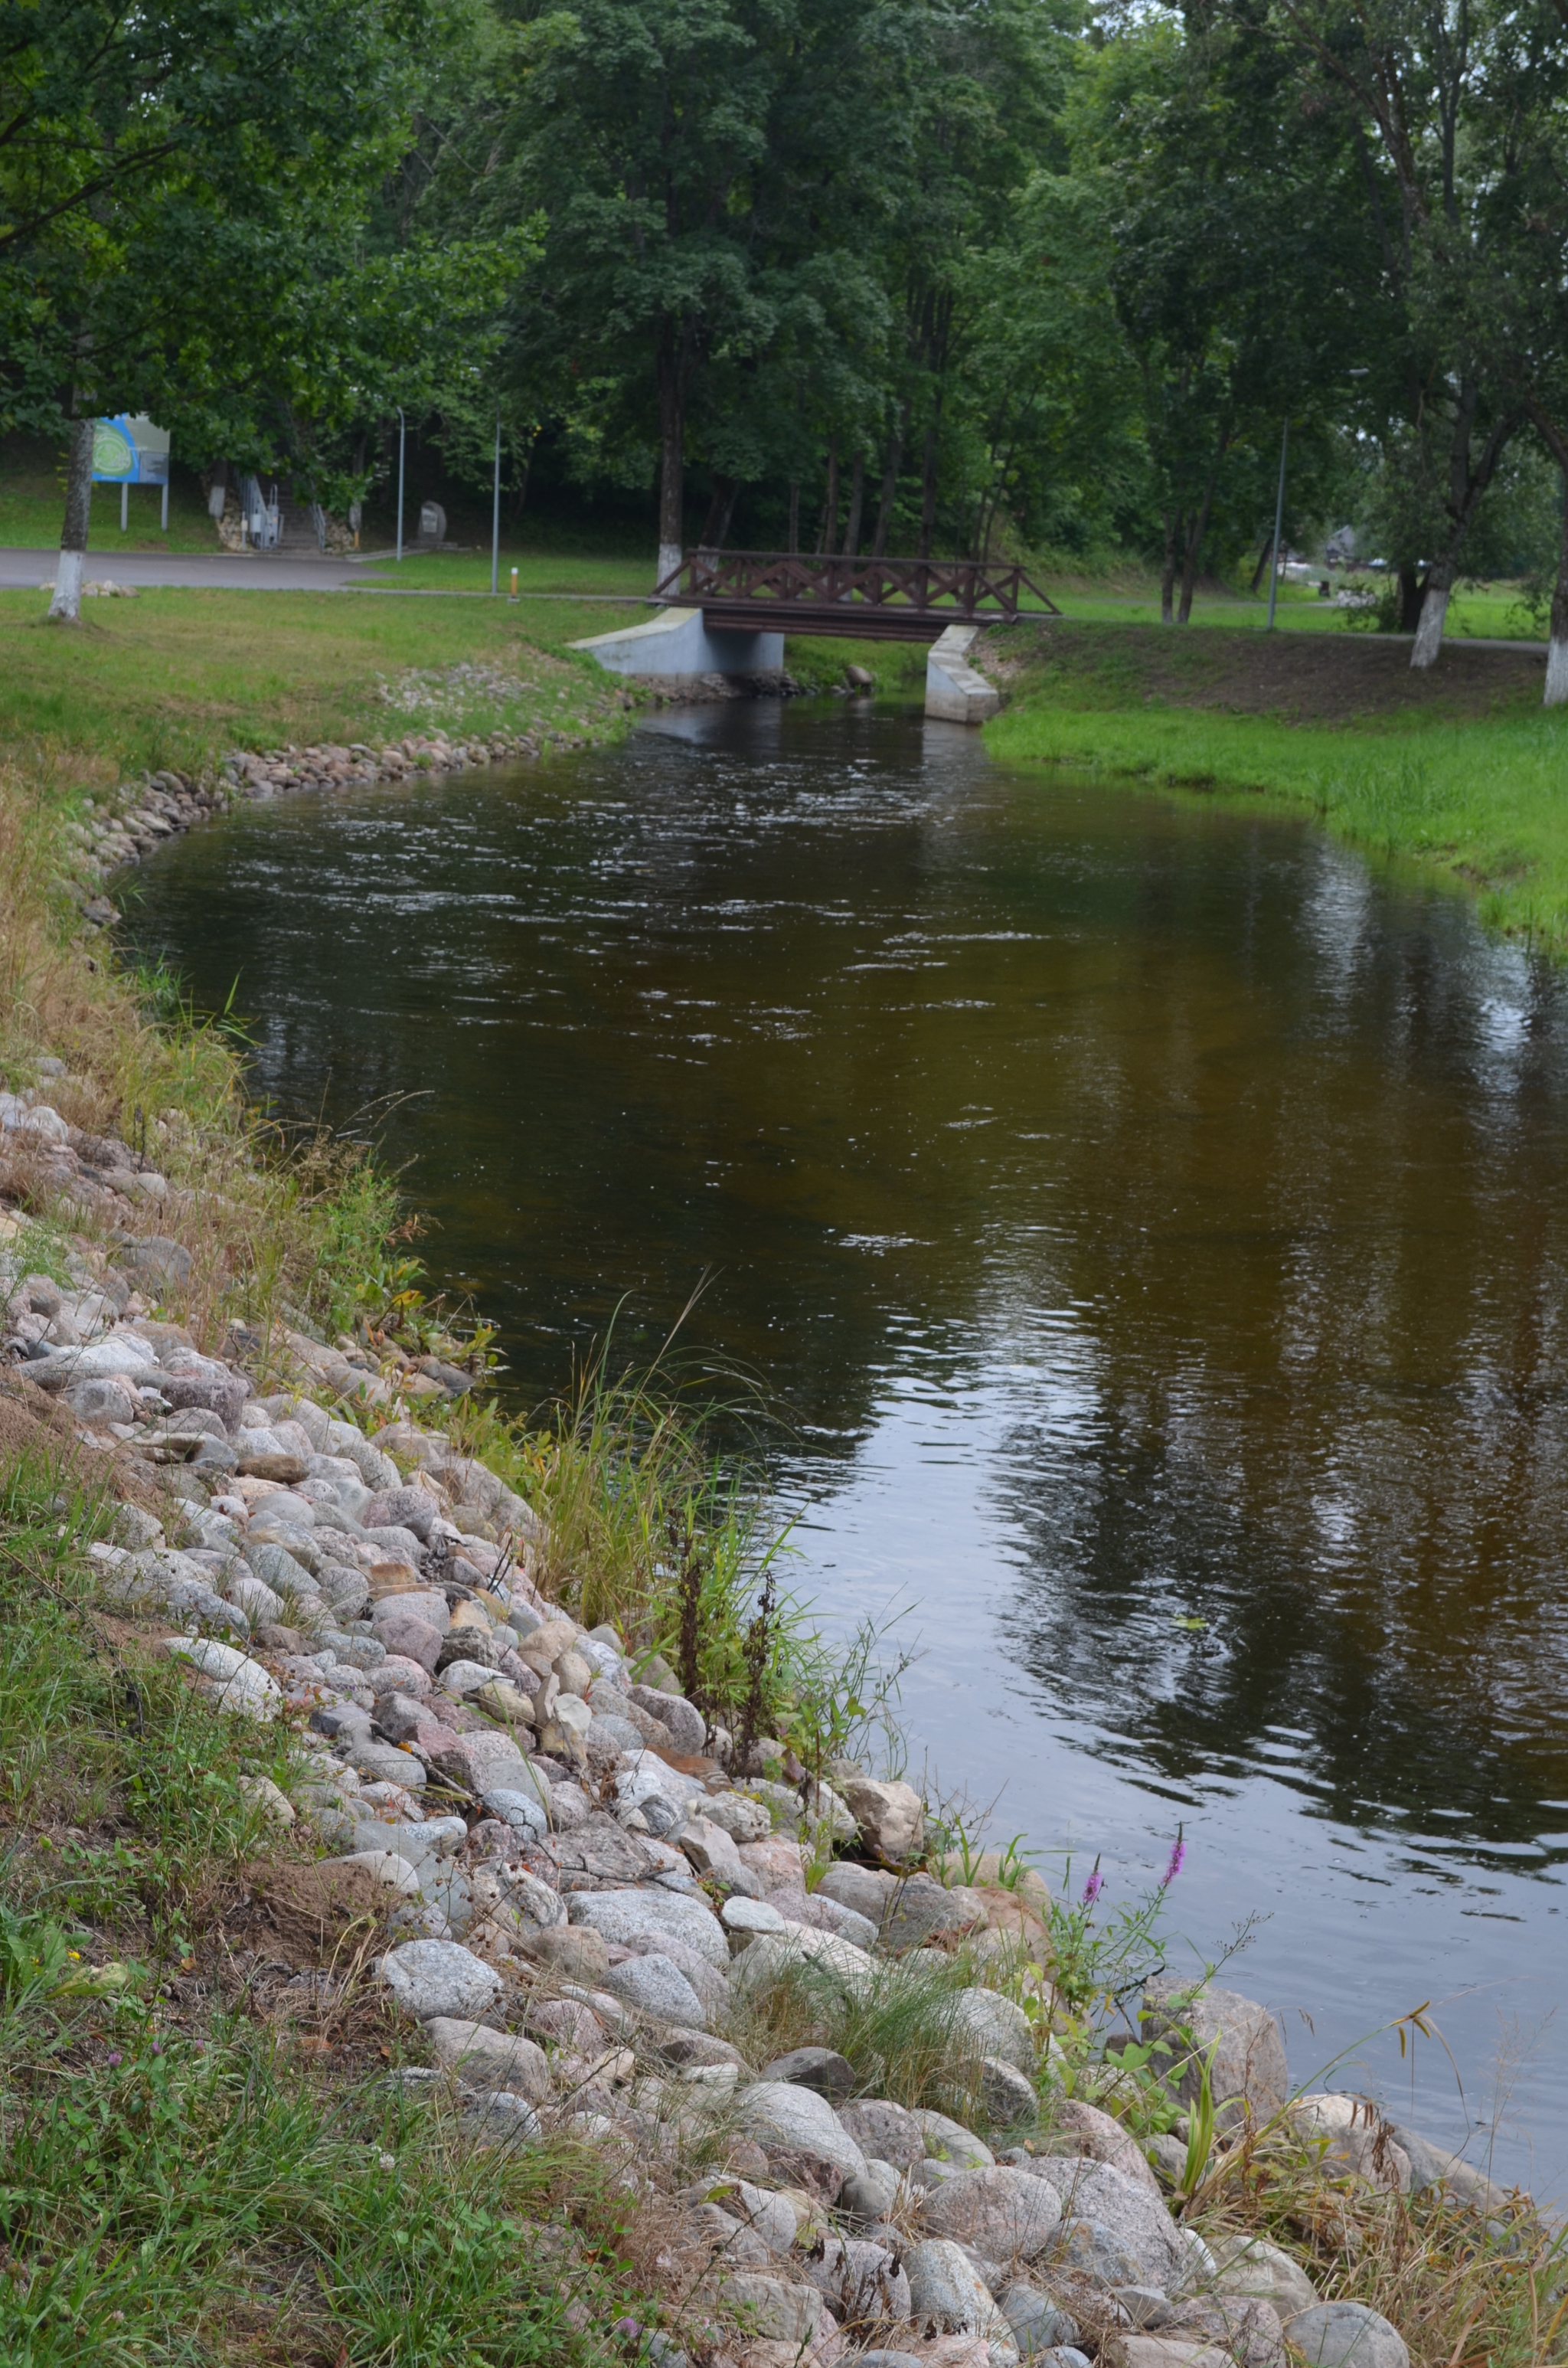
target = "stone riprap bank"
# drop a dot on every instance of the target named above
(590, 1899)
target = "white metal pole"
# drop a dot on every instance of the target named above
(165, 516)
(402, 439)
(495, 518)
(1279, 521)
(125, 507)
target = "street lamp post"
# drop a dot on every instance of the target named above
(495, 518)
(402, 439)
(1279, 522)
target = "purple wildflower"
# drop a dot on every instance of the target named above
(157, 2047)
(1094, 1885)
(113, 2059)
(1178, 1860)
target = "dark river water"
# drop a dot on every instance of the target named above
(1150, 1219)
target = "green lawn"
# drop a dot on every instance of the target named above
(549, 573)
(32, 510)
(172, 677)
(1492, 611)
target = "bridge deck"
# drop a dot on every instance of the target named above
(863, 599)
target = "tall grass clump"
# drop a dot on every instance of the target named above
(658, 1525)
(900, 2027)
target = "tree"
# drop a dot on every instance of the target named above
(1413, 81)
(177, 185)
(1239, 268)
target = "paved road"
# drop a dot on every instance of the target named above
(232, 571)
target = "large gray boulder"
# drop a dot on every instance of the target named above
(1003, 2215)
(1249, 2067)
(787, 2119)
(879, 2127)
(1252, 2267)
(996, 2027)
(1347, 2334)
(654, 1986)
(945, 2292)
(438, 1978)
(622, 1916)
(1137, 2221)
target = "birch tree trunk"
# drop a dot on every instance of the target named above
(1557, 646)
(672, 465)
(65, 607)
(1434, 613)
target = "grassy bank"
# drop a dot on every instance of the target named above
(174, 677)
(1460, 771)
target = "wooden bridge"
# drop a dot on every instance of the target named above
(865, 600)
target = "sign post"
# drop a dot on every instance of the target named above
(130, 452)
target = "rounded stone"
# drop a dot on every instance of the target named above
(656, 1988)
(784, 2117)
(743, 1917)
(497, 2117)
(1005, 2215)
(438, 1978)
(622, 1916)
(884, 2130)
(947, 2290)
(996, 2026)
(1347, 2334)
(1136, 2222)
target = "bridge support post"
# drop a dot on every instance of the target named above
(957, 692)
(679, 650)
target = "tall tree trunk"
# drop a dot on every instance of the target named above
(889, 486)
(1557, 647)
(721, 503)
(794, 514)
(66, 605)
(1200, 529)
(1468, 481)
(1264, 556)
(1174, 522)
(828, 534)
(928, 488)
(857, 504)
(671, 461)
(1410, 591)
(1434, 611)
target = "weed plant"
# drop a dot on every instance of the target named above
(678, 1546)
(899, 2027)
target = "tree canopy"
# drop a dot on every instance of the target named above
(973, 275)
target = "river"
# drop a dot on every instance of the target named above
(1150, 1222)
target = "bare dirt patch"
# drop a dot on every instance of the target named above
(1299, 678)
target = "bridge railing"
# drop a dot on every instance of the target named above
(959, 588)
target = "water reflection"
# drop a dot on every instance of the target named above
(1152, 1216)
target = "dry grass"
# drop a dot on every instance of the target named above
(1464, 2290)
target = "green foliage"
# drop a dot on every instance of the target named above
(900, 2027)
(162, 2187)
